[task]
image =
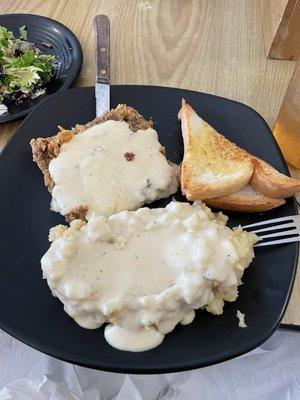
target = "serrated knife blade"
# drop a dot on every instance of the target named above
(102, 88)
(102, 94)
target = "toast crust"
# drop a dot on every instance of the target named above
(218, 172)
(212, 166)
(245, 200)
(46, 149)
(272, 183)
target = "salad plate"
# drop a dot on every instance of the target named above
(25, 78)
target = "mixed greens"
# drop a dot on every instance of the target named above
(23, 70)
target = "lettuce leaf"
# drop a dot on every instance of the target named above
(23, 68)
(22, 79)
(5, 36)
(6, 42)
(23, 32)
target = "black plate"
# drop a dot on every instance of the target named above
(30, 313)
(65, 47)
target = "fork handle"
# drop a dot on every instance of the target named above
(102, 28)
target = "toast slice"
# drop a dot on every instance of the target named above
(212, 165)
(268, 181)
(246, 199)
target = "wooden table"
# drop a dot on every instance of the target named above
(213, 46)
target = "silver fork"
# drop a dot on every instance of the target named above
(287, 226)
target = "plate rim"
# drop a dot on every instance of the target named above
(79, 61)
(106, 366)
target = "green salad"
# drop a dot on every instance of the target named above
(23, 70)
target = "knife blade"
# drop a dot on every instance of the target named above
(102, 85)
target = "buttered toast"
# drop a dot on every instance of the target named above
(270, 182)
(246, 199)
(224, 175)
(212, 166)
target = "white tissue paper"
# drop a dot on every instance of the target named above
(271, 372)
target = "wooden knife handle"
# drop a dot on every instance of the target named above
(102, 28)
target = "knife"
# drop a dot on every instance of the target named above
(102, 89)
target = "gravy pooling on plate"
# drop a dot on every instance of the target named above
(145, 271)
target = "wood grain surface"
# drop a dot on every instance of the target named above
(272, 16)
(282, 28)
(213, 46)
(102, 48)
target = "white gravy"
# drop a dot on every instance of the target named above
(109, 168)
(145, 271)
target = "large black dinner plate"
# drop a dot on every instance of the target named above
(30, 313)
(64, 46)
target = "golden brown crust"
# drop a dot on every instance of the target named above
(245, 200)
(212, 165)
(215, 168)
(77, 213)
(272, 183)
(121, 113)
(45, 149)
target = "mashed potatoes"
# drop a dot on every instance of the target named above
(145, 271)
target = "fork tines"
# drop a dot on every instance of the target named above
(285, 229)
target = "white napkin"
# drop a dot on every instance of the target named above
(271, 372)
(36, 388)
